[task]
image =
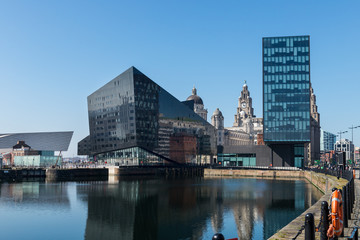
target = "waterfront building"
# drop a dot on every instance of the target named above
(357, 155)
(345, 145)
(327, 141)
(246, 126)
(196, 104)
(33, 149)
(312, 149)
(134, 121)
(286, 98)
(245, 120)
(217, 120)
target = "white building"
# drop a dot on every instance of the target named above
(345, 145)
(246, 126)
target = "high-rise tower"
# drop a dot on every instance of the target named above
(286, 96)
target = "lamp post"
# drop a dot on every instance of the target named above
(352, 140)
(341, 132)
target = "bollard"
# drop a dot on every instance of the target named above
(348, 201)
(352, 195)
(309, 227)
(218, 236)
(345, 223)
(324, 220)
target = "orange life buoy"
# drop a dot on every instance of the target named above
(337, 212)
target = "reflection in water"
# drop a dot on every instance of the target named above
(152, 208)
(193, 209)
(35, 193)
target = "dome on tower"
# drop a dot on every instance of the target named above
(195, 97)
(217, 112)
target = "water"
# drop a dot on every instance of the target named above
(152, 208)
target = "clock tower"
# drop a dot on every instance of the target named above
(244, 110)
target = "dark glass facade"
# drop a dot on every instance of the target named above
(130, 156)
(286, 89)
(133, 111)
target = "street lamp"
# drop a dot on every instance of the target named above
(341, 132)
(352, 139)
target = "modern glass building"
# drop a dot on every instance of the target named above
(327, 141)
(237, 160)
(286, 95)
(286, 89)
(132, 117)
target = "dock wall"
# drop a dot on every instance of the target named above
(323, 182)
(77, 174)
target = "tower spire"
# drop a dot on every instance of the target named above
(194, 90)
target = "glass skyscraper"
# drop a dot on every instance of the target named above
(286, 89)
(327, 141)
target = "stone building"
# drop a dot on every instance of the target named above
(312, 149)
(217, 120)
(198, 104)
(245, 120)
(245, 128)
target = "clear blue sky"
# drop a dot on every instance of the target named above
(53, 54)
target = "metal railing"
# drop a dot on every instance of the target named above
(348, 196)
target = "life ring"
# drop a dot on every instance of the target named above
(337, 212)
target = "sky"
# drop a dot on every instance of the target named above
(53, 54)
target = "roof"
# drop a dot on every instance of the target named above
(217, 112)
(42, 141)
(195, 98)
(21, 144)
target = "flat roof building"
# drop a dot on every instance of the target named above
(286, 97)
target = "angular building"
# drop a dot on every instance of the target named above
(133, 121)
(286, 98)
(33, 149)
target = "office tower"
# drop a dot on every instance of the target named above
(286, 97)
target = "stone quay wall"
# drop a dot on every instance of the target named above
(323, 182)
(157, 171)
(77, 174)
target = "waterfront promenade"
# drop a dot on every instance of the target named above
(355, 216)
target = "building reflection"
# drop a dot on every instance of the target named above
(190, 209)
(36, 193)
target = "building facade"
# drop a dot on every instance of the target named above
(197, 104)
(245, 120)
(246, 126)
(33, 149)
(217, 120)
(327, 141)
(286, 97)
(133, 121)
(313, 148)
(345, 145)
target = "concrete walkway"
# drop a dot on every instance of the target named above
(355, 216)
